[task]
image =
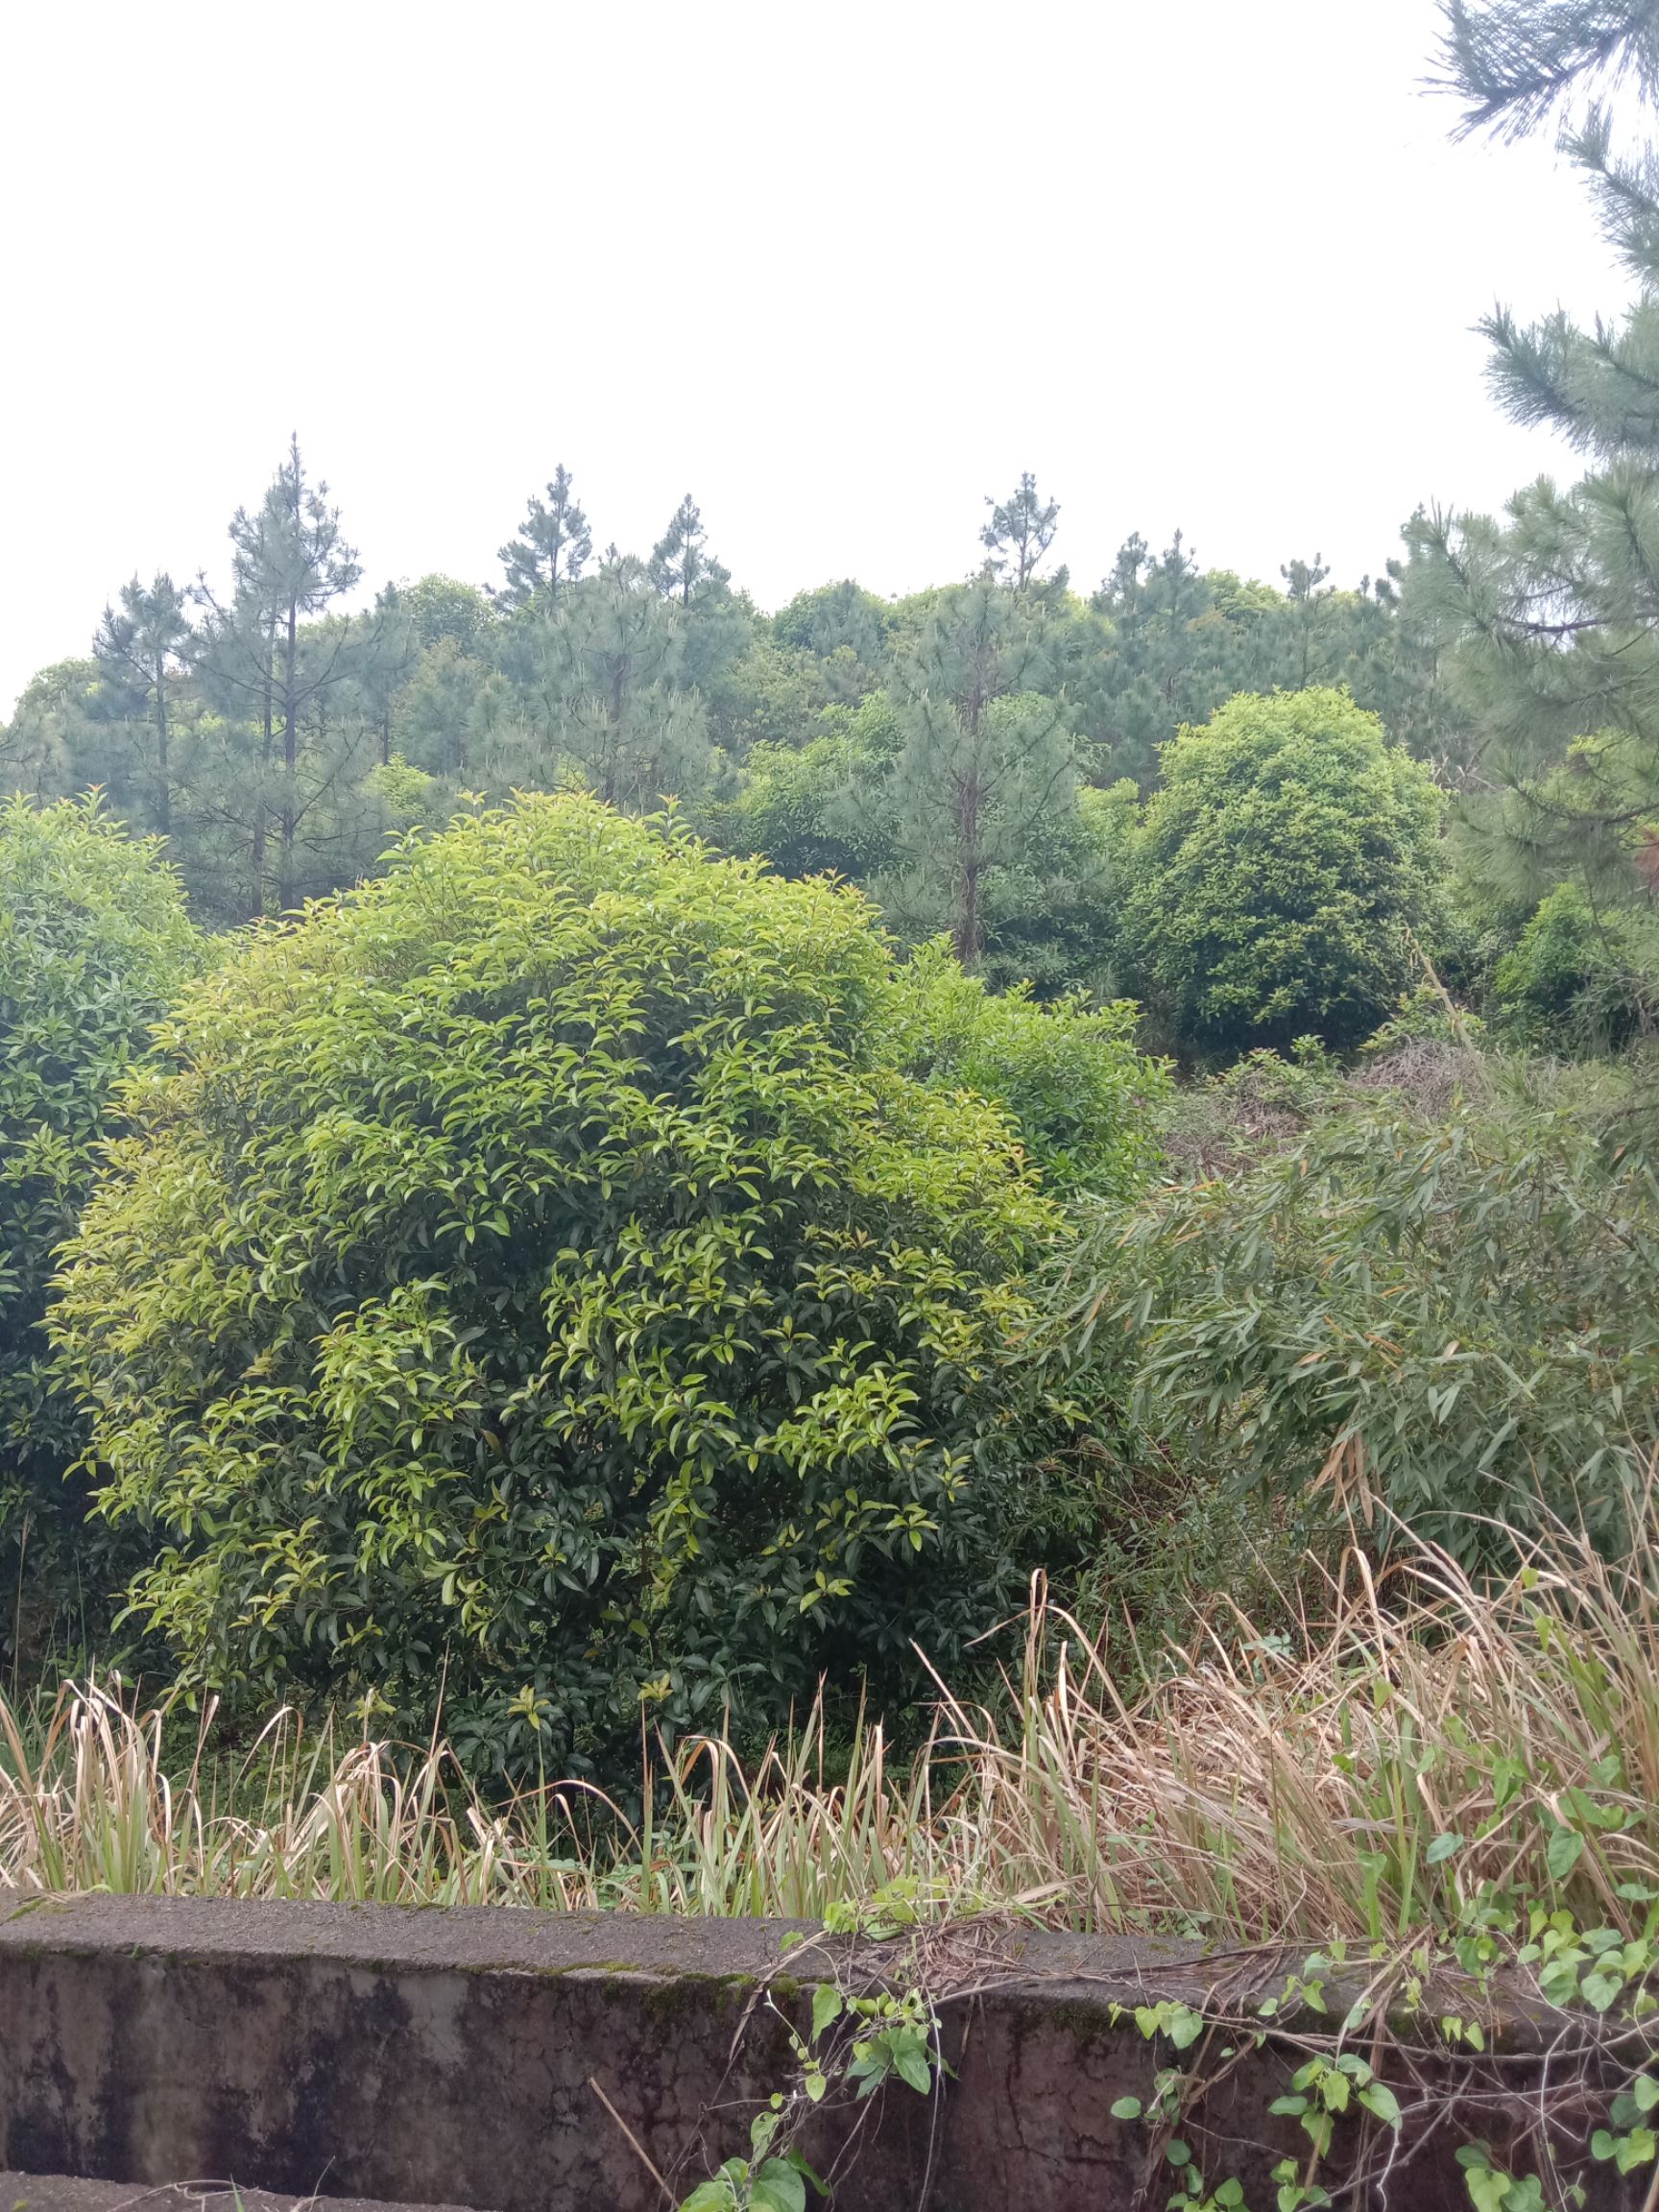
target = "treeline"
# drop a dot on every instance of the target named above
(1022, 767)
(972, 753)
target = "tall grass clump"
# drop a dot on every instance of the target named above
(1413, 1750)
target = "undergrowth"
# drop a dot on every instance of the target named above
(1413, 1743)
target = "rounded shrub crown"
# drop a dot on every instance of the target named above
(1279, 869)
(530, 1277)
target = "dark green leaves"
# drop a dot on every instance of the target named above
(93, 946)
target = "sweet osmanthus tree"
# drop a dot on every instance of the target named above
(1279, 872)
(531, 1283)
(94, 945)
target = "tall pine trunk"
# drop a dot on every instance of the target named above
(970, 802)
(618, 676)
(267, 722)
(164, 793)
(969, 929)
(286, 889)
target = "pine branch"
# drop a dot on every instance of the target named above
(1530, 372)
(1514, 62)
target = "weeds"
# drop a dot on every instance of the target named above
(1405, 1751)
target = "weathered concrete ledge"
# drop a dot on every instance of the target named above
(454, 2057)
(203, 2193)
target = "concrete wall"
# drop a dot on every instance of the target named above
(444, 2057)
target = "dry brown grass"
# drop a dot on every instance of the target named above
(1410, 1749)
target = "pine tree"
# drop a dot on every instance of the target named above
(609, 671)
(1170, 659)
(148, 640)
(1306, 589)
(1019, 533)
(551, 549)
(1550, 614)
(288, 562)
(987, 760)
(444, 713)
(393, 664)
(837, 619)
(680, 563)
(238, 669)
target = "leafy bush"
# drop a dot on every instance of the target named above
(534, 1281)
(1460, 1317)
(94, 945)
(796, 806)
(1084, 1099)
(1576, 981)
(1279, 870)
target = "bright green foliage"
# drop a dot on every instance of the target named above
(1461, 1316)
(94, 946)
(1110, 818)
(407, 793)
(1069, 1073)
(1578, 980)
(1281, 868)
(536, 1281)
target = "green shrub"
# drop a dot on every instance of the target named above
(1278, 873)
(94, 945)
(533, 1281)
(1460, 1317)
(1084, 1099)
(1576, 981)
(796, 806)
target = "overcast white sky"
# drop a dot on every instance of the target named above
(840, 270)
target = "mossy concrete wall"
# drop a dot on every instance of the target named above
(455, 2057)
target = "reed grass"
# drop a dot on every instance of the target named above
(1416, 1746)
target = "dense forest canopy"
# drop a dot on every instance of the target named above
(972, 754)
